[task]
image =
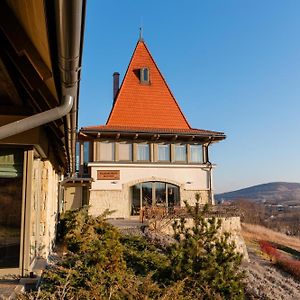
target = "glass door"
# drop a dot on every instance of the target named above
(147, 198)
(160, 194)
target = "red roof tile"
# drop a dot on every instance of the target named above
(146, 105)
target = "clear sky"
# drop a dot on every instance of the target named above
(233, 66)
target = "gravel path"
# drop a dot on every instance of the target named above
(267, 282)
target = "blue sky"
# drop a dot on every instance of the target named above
(233, 66)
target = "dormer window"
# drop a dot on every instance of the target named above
(145, 75)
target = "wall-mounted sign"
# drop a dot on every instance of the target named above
(108, 174)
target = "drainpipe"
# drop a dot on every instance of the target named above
(209, 170)
(69, 20)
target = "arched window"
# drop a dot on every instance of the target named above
(154, 193)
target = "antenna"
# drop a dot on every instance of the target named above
(141, 34)
(141, 31)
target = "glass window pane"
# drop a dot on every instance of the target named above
(196, 153)
(106, 151)
(125, 151)
(136, 201)
(164, 152)
(146, 75)
(147, 193)
(143, 152)
(160, 194)
(86, 152)
(173, 195)
(180, 152)
(11, 179)
(11, 163)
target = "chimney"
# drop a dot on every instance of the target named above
(116, 76)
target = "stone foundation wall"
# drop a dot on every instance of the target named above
(119, 201)
(190, 197)
(112, 200)
(230, 224)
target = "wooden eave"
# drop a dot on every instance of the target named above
(89, 135)
(25, 66)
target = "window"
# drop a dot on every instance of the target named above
(180, 152)
(86, 152)
(11, 182)
(125, 151)
(163, 152)
(196, 153)
(86, 156)
(107, 150)
(159, 194)
(143, 152)
(144, 75)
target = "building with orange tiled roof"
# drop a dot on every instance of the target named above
(146, 154)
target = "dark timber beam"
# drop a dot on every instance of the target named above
(7, 85)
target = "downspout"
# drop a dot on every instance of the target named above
(208, 163)
(37, 119)
(69, 23)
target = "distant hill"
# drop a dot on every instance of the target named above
(274, 192)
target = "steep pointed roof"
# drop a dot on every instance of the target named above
(145, 105)
(144, 109)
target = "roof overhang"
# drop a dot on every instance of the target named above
(40, 57)
(157, 135)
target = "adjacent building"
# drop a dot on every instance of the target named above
(146, 154)
(40, 59)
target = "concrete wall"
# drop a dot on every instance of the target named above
(115, 194)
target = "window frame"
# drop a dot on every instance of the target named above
(200, 152)
(113, 151)
(137, 152)
(118, 151)
(186, 153)
(169, 152)
(142, 75)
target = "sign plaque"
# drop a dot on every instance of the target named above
(108, 174)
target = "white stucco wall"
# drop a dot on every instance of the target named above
(115, 194)
(191, 177)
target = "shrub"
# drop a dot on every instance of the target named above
(102, 264)
(205, 258)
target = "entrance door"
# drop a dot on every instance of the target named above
(160, 194)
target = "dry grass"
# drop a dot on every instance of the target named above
(252, 232)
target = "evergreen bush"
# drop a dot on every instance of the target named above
(100, 263)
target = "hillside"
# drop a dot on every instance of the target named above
(275, 192)
(265, 279)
